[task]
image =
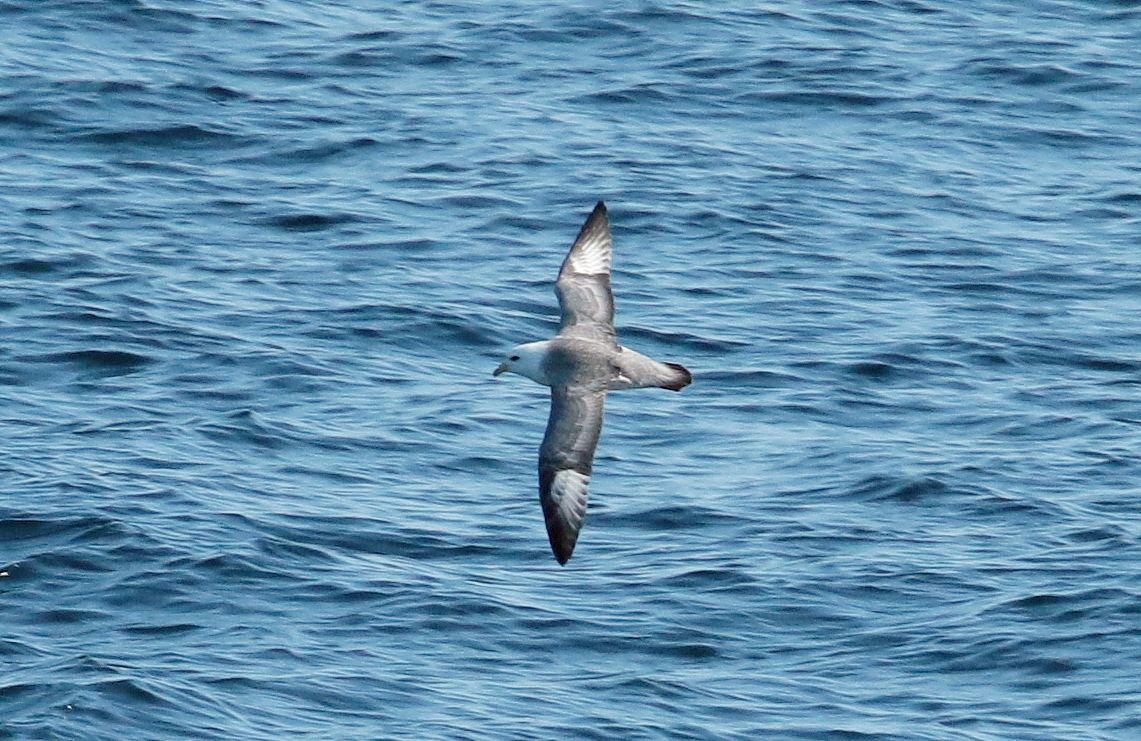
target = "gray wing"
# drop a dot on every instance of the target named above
(565, 461)
(583, 286)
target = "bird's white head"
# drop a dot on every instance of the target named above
(526, 360)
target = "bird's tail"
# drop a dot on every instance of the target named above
(636, 371)
(681, 377)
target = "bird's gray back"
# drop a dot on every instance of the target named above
(585, 361)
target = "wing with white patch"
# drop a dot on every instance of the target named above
(583, 286)
(565, 461)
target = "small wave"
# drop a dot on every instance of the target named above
(308, 222)
(110, 360)
(175, 136)
(904, 490)
(833, 99)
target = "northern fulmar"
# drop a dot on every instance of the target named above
(582, 363)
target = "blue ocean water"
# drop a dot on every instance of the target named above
(259, 259)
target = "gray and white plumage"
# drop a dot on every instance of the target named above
(580, 364)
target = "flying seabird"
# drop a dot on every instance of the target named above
(582, 363)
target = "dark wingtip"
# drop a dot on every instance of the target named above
(562, 544)
(562, 552)
(683, 379)
(598, 214)
(561, 536)
(597, 220)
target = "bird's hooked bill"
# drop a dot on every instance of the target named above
(501, 369)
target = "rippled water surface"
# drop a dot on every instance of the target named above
(259, 259)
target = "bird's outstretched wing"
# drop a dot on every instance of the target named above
(565, 461)
(583, 286)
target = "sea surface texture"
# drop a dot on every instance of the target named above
(259, 259)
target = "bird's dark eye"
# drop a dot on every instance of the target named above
(514, 358)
